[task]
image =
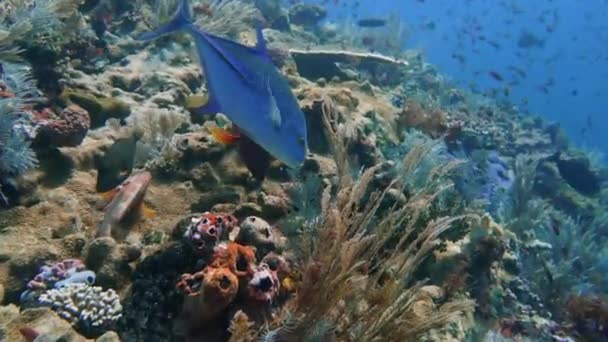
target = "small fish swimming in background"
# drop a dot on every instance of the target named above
(125, 199)
(555, 226)
(495, 76)
(245, 85)
(371, 22)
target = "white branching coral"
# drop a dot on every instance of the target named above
(83, 304)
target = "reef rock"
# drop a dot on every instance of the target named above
(109, 262)
(257, 232)
(197, 146)
(42, 322)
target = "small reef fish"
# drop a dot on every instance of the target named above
(371, 22)
(87, 277)
(126, 198)
(498, 77)
(245, 85)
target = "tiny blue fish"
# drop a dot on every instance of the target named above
(245, 85)
(87, 277)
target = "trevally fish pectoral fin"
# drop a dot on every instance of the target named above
(274, 112)
(180, 20)
(261, 41)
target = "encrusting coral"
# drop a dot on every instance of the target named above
(69, 129)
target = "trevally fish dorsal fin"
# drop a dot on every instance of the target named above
(273, 110)
(181, 19)
(227, 57)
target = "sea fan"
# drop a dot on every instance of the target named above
(19, 81)
(16, 156)
(359, 276)
(286, 330)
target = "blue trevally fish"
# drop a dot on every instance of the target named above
(246, 86)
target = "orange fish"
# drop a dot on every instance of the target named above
(224, 136)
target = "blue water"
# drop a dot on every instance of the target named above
(574, 58)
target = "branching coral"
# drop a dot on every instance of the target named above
(83, 304)
(157, 127)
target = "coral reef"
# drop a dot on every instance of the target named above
(422, 212)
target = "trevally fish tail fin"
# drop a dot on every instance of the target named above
(181, 19)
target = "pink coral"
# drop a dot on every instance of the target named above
(68, 130)
(265, 284)
(208, 229)
(50, 274)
